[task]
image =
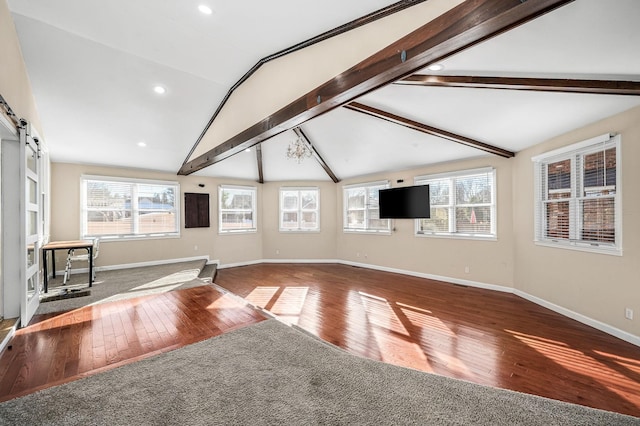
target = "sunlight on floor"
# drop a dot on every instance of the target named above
(380, 313)
(161, 285)
(261, 296)
(575, 360)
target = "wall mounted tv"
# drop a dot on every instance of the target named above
(407, 202)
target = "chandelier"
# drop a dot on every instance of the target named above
(298, 150)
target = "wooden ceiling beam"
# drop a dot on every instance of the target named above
(300, 133)
(563, 85)
(259, 160)
(434, 131)
(463, 26)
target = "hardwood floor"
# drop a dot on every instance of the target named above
(486, 337)
(58, 348)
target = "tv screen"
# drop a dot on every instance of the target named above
(407, 202)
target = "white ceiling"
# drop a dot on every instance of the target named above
(93, 65)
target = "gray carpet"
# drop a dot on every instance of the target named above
(271, 374)
(128, 283)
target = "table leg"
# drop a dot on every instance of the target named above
(53, 262)
(46, 273)
(90, 266)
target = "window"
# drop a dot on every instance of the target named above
(361, 208)
(577, 196)
(129, 208)
(237, 209)
(299, 209)
(463, 204)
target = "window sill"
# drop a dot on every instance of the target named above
(367, 232)
(458, 236)
(108, 239)
(299, 231)
(238, 232)
(608, 250)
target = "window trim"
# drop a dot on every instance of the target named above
(115, 179)
(570, 152)
(254, 210)
(299, 210)
(492, 236)
(383, 183)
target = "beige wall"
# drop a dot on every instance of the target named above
(595, 285)
(489, 262)
(229, 249)
(14, 81)
(299, 245)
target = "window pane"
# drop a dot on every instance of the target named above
(439, 192)
(109, 222)
(559, 176)
(290, 200)
(439, 221)
(355, 199)
(558, 219)
(473, 189)
(154, 197)
(290, 220)
(309, 220)
(598, 219)
(355, 219)
(309, 200)
(158, 222)
(239, 220)
(473, 220)
(375, 222)
(33, 191)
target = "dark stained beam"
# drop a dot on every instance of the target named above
(563, 85)
(259, 159)
(300, 133)
(402, 121)
(461, 27)
(371, 17)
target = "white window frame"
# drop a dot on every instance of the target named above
(367, 187)
(134, 235)
(451, 206)
(299, 210)
(253, 210)
(575, 152)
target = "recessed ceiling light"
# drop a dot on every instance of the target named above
(436, 67)
(205, 9)
(142, 144)
(159, 90)
(247, 150)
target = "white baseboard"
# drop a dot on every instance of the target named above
(620, 334)
(606, 328)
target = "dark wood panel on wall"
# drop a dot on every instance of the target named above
(196, 210)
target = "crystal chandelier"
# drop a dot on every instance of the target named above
(298, 150)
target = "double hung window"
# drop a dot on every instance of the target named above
(237, 209)
(463, 204)
(129, 208)
(299, 209)
(578, 200)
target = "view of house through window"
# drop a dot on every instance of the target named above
(113, 207)
(237, 209)
(462, 204)
(362, 209)
(578, 202)
(299, 209)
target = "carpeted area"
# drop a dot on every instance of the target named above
(272, 374)
(128, 283)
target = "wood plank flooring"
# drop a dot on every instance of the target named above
(58, 348)
(486, 337)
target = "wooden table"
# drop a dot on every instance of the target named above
(65, 245)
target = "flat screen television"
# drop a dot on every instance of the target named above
(407, 202)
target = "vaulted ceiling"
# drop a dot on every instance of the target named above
(93, 67)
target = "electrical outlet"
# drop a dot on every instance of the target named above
(628, 313)
(195, 247)
(357, 254)
(277, 251)
(365, 255)
(466, 269)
